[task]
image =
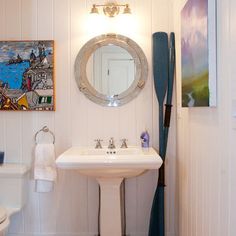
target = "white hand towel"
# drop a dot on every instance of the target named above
(44, 167)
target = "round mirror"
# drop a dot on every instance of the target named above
(111, 69)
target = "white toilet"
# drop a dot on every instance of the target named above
(13, 192)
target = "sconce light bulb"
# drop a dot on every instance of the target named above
(94, 10)
(127, 9)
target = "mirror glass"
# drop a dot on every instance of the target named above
(111, 69)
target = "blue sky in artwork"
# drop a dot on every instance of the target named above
(13, 74)
(194, 41)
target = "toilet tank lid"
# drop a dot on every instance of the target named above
(13, 170)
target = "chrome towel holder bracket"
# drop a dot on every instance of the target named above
(45, 129)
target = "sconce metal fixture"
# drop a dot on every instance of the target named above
(111, 9)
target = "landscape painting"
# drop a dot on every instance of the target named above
(26, 75)
(197, 49)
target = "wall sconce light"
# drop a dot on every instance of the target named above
(111, 9)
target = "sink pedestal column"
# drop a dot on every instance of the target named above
(110, 216)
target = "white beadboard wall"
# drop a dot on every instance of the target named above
(206, 142)
(72, 208)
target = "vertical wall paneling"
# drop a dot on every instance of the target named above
(29, 123)
(62, 115)
(79, 111)
(206, 154)
(224, 36)
(72, 208)
(232, 228)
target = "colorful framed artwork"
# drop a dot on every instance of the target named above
(198, 53)
(27, 75)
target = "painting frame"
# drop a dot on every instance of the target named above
(27, 75)
(199, 57)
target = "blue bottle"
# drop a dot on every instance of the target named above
(145, 139)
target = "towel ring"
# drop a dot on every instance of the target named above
(45, 129)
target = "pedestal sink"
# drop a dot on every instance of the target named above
(110, 167)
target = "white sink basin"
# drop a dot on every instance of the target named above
(110, 167)
(104, 162)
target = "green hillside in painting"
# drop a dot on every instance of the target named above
(194, 54)
(195, 90)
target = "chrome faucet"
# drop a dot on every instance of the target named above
(111, 144)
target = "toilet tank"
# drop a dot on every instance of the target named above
(13, 185)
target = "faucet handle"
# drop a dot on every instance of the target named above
(98, 143)
(124, 143)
